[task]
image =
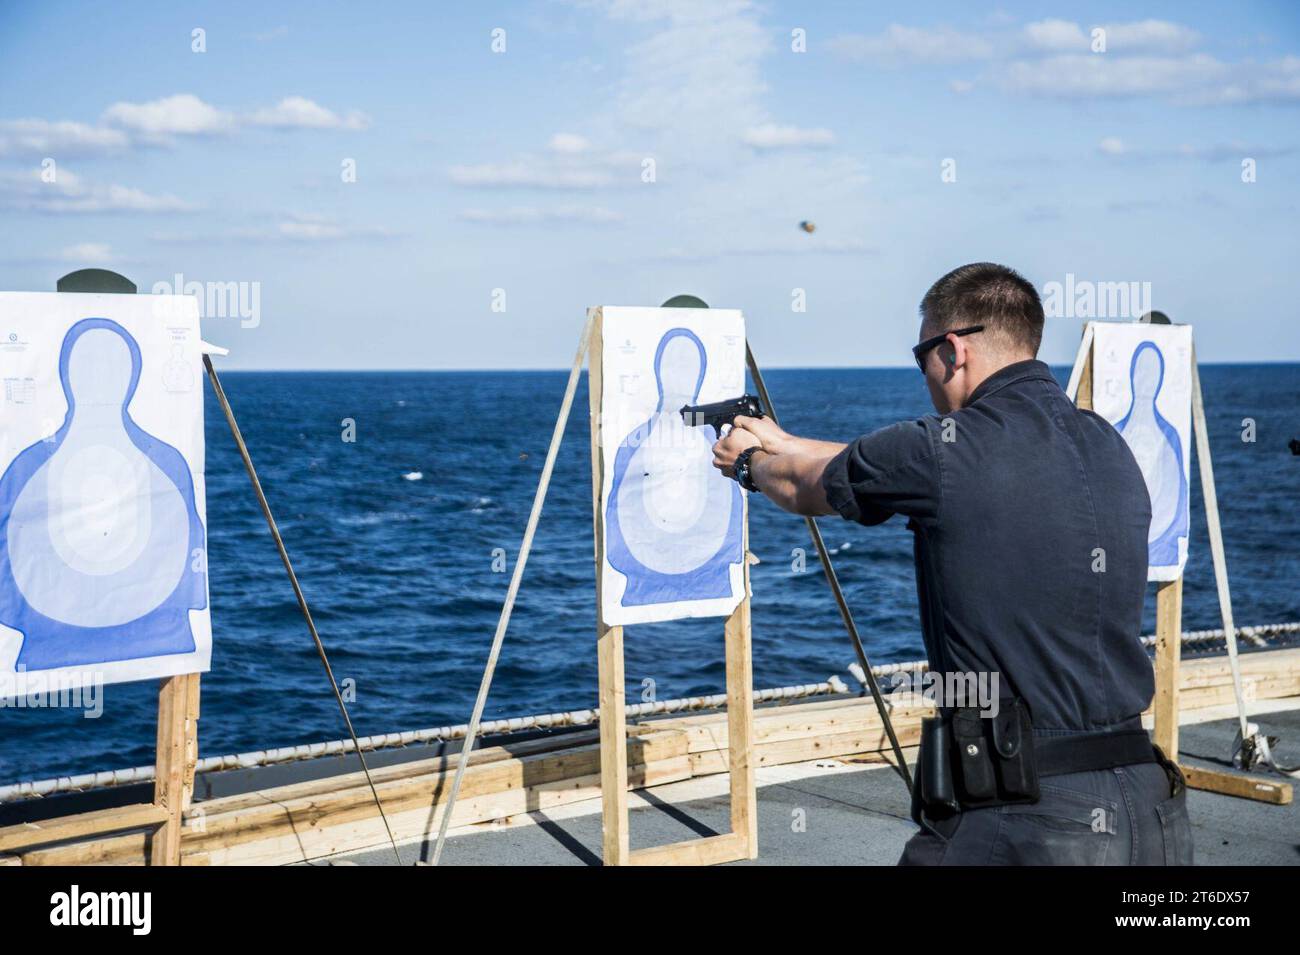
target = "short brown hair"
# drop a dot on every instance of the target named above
(983, 293)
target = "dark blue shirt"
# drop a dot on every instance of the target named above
(1030, 519)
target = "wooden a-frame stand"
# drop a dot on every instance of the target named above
(742, 841)
(178, 696)
(1169, 610)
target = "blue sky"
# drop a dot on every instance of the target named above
(523, 170)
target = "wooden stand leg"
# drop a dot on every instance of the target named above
(191, 739)
(1169, 631)
(613, 746)
(1237, 784)
(174, 769)
(740, 729)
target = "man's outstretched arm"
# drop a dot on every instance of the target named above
(786, 469)
(793, 480)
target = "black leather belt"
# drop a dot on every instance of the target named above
(1058, 755)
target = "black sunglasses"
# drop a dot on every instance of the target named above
(920, 351)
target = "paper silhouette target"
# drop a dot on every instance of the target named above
(103, 560)
(673, 525)
(1142, 384)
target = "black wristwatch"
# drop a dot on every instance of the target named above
(741, 469)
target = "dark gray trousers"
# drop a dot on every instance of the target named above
(1121, 816)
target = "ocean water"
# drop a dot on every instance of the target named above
(399, 573)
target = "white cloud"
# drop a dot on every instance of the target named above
(87, 253)
(570, 143)
(1057, 36)
(772, 136)
(1150, 35)
(297, 230)
(117, 198)
(182, 115)
(694, 83)
(799, 245)
(1214, 152)
(1054, 57)
(1235, 151)
(309, 228)
(1145, 36)
(532, 215)
(524, 173)
(1193, 79)
(63, 138)
(1274, 82)
(288, 230)
(69, 194)
(298, 112)
(161, 122)
(899, 45)
(1103, 75)
(187, 115)
(569, 162)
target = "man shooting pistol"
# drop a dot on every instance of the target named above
(1011, 493)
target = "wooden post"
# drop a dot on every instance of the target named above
(174, 768)
(191, 737)
(613, 746)
(609, 644)
(1084, 399)
(1169, 648)
(740, 716)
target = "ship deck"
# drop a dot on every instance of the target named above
(854, 813)
(826, 794)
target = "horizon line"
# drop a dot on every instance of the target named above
(556, 368)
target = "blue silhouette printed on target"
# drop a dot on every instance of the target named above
(1159, 452)
(101, 546)
(673, 522)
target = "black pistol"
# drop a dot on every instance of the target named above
(719, 413)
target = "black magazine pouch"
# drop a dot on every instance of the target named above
(994, 755)
(971, 747)
(1013, 747)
